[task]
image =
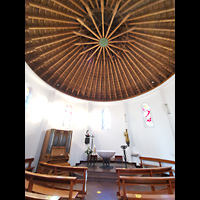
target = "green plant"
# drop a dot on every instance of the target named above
(88, 151)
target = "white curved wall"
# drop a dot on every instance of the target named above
(157, 141)
(46, 109)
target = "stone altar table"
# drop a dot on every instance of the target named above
(106, 155)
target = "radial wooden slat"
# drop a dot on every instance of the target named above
(101, 50)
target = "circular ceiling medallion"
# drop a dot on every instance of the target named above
(103, 42)
(102, 50)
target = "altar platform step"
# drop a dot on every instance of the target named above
(102, 176)
(95, 173)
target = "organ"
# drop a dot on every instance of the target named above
(56, 146)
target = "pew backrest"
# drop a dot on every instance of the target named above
(140, 172)
(29, 161)
(45, 184)
(143, 171)
(157, 160)
(79, 172)
(167, 182)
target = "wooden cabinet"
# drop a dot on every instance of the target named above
(56, 146)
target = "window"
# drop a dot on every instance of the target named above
(147, 115)
(28, 91)
(67, 116)
(106, 119)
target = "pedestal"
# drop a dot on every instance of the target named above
(88, 159)
(106, 164)
(124, 147)
(106, 155)
(93, 159)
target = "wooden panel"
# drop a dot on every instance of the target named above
(63, 46)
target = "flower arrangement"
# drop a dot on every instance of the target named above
(88, 151)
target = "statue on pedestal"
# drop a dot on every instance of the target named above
(127, 138)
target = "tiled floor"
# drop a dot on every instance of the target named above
(105, 188)
(102, 190)
(108, 191)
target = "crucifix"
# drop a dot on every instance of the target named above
(92, 136)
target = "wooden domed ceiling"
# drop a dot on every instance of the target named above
(101, 50)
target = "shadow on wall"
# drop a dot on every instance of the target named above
(77, 151)
(39, 148)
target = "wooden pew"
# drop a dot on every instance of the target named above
(45, 184)
(140, 172)
(151, 196)
(79, 172)
(29, 161)
(34, 196)
(158, 160)
(130, 193)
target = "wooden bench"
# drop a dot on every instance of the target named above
(158, 160)
(34, 196)
(45, 184)
(79, 172)
(130, 193)
(140, 172)
(151, 196)
(29, 161)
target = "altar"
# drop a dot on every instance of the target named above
(106, 155)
